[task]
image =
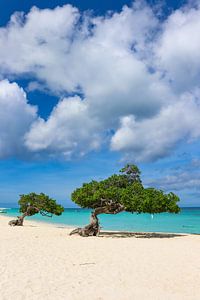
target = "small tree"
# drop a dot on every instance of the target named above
(32, 204)
(123, 192)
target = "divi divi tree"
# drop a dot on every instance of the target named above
(33, 203)
(118, 193)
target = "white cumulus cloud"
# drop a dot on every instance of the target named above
(69, 130)
(177, 50)
(154, 138)
(138, 76)
(16, 116)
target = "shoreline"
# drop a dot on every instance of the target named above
(187, 222)
(71, 227)
(56, 225)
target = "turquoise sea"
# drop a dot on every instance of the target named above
(187, 221)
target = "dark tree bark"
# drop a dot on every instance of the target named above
(93, 228)
(20, 219)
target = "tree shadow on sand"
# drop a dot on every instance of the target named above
(148, 235)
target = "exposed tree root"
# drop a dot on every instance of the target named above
(93, 228)
(18, 222)
(20, 219)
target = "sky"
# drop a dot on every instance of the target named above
(88, 86)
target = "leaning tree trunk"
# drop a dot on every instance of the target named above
(93, 228)
(20, 219)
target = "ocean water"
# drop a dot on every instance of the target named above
(187, 221)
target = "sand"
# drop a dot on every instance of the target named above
(41, 261)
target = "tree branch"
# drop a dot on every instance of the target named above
(46, 214)
(110, 208)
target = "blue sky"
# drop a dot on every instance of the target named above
(90, 85)
(7, 7)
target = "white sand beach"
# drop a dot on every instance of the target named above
(41, 261)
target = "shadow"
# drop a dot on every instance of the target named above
(62, 227)
(148, 235)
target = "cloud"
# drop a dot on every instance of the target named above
(187, 177)
(69, 131)
(178, 182)
(16, 116)
(40, 41)
(177, 50)
(138, 77)
(154, 138)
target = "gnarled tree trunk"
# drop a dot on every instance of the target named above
(20, 219)
(93, 228)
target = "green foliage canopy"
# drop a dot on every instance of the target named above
(33, 203)
(127, 190)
